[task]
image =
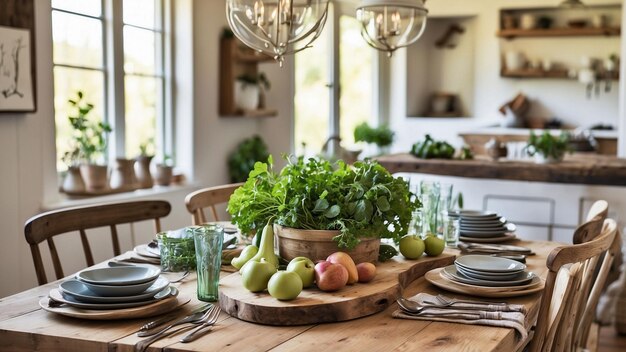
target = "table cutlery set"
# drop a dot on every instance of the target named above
(201, 321)
(424, 306)
(483, 226)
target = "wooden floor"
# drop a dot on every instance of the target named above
(610, 341)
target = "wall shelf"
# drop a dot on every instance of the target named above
(236, 59)
(559, 32)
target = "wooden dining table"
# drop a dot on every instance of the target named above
(24, 326)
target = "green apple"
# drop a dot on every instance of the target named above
(411, 246)
(285, 285)
(305, 268)
(434, 245)
(256, 275)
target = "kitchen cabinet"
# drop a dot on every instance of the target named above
(553, 42)
(236, 60)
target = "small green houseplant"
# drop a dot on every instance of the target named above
(547, 148)
(359, 202)
(90, 140)
(242, 160)
(382, 135)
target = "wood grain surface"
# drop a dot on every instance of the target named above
(24, 326)
(315, 306)
(575, 169)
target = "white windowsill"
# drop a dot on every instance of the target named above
(65, 201)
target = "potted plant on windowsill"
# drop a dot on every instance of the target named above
(319, 207)
(547, 148)
(382, 136)
(72, 181)
(142, 166)
(164, 171)
(90, 140)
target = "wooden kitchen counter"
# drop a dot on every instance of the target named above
(588, 169)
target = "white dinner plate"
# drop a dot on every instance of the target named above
(475, 214)
(504, 238)
(146, 251)
(488, 276)
(82, 293)
(455, 275)
(119, 276)
(489, 264)
(59, 296)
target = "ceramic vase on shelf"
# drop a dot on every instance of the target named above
(142, 170)
(246, 95)
(123, 175)
(542, 159)
(95, 177)
(73, 181)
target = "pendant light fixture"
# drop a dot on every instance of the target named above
(391, 24)
(277, 27)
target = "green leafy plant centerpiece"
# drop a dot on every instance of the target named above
(549, 148)
(359, 201)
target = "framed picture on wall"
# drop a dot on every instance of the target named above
(16, 81)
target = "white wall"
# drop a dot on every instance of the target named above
(203, 139)
(560, 98)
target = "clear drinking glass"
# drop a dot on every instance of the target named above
(451, 229)
(208, 240)
(416, 226)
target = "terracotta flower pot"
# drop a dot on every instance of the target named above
(95, 177)
(319, 244)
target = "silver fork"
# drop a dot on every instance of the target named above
(204, 327)
(143, 344)
(446, 301)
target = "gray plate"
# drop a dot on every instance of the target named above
(490, 276)
(475, 214)
(119, 276)
(72, 301)
(482, 233)
(489, 264)
(452, 272)
(118, 291)
(79, 290)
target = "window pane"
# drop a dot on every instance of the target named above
(140, 51)
(67, 82)
(87, 7)
(356, 99)
(312, 96)
(77, 40)
(141, 13)
(142, 93)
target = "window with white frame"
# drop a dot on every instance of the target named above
(116, 53)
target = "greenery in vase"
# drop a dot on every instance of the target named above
(242, 160)
(255, 80)
(89, 137)
(548, 145)
(382, 136)
(362, 200)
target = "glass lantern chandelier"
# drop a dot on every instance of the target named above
(391, 24)
(277, 27)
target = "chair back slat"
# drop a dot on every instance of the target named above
(45, 226)
(208, 198)
(599, 208)
(571, 279)
(115, 240)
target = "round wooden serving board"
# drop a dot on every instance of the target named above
(315, 306)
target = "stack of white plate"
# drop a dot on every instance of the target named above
(483, 226)
(488, 271)
(116, 287)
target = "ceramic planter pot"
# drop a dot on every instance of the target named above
(246, 95)
(318, 245)
(123, 175)
(142, 171)
(541, 159)
(163, 175)
(95, 177)
(73, 181)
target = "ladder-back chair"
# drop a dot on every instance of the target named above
(208, 198)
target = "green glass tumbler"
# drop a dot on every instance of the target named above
(208, 241)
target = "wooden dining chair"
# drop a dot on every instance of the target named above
(597, 213)
(208, 198)
(571, 294)
(45, 226)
